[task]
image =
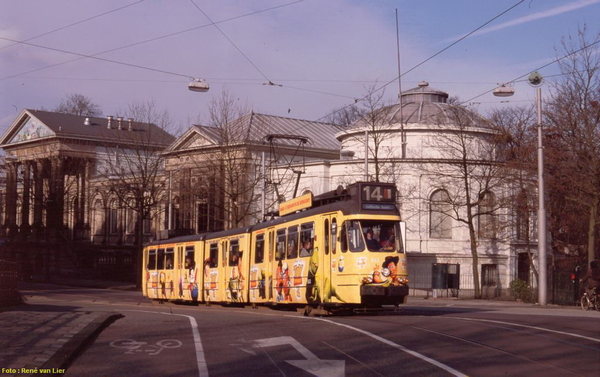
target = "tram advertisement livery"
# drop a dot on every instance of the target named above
(342, 249)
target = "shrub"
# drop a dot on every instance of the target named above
(520, 290)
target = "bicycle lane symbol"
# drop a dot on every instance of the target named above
(133, 346)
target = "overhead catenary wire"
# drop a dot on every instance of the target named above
(428, 59)
(95, 56)
(73, 24)
(233, 43)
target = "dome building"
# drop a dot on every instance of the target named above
(435, 152)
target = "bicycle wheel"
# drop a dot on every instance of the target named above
(585, 302)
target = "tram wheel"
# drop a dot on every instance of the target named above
(307, 310)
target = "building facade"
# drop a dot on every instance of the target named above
(61, 197)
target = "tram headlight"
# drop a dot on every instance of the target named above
(385, 272)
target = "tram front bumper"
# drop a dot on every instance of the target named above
(382, 295)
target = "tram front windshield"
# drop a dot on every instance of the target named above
(383, 236)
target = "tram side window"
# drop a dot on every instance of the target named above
(343, 238)
(326, 236)
(259, 255)
(169, 258)
(151, 260)
(234, 253)
(307, 234)
(213, 252)
(355, 237)
(280, 251)
(189, 257)
(292, 242)
(333, 235)
(160, 265)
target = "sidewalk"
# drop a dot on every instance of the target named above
(37, 340)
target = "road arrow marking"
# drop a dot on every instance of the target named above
(312, 364)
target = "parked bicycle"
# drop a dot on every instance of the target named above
(590, 301)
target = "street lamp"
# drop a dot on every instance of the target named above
(535, 80)
(198, 85)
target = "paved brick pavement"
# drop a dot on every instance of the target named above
(35, 342)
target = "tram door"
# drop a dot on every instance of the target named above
(221, 276)
(268, 282)
(179, 270)
(329, 257)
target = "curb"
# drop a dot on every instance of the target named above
(63, 358)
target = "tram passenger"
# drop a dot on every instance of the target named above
(372, 243)
(306, 250)
(292, 251)
(169, 263)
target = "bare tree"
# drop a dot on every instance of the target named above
(516, 148)
(223, 174)
(572, 116)
(133, 168)
(345, 116)
(473, 180)
(78, 104)
(375, 120)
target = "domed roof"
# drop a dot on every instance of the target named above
(424, 105)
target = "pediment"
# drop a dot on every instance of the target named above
(192, 139)
(195, 141)
(27, 128)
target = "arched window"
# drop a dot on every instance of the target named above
(487, 217)
(440, 222)
(130, 216)
(98, 218)
(113, 225)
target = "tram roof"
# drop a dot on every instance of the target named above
(336, 200)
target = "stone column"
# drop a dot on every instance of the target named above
(38, 194)
(55, 209)
(60, 191)
(83, 197)
(26, 195)
(10, 217)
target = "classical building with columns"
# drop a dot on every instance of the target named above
(54, 180)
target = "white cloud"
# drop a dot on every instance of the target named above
(557, 11)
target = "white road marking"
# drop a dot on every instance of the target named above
(530, 327)
(392, 344)
(312, 364)
(200, 359)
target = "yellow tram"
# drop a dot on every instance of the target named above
(341, 249)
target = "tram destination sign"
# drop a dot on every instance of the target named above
(378, 193)
(377, 196)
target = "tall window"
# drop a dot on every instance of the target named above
(489, 275)
(522, 216)
(130, 217)
(440, 222)
(112, 222)
(487, 218)
(98, 218)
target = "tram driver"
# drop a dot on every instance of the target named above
(372, 243)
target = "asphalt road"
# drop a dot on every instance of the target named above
(427, 338)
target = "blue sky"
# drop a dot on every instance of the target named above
(324, 54)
